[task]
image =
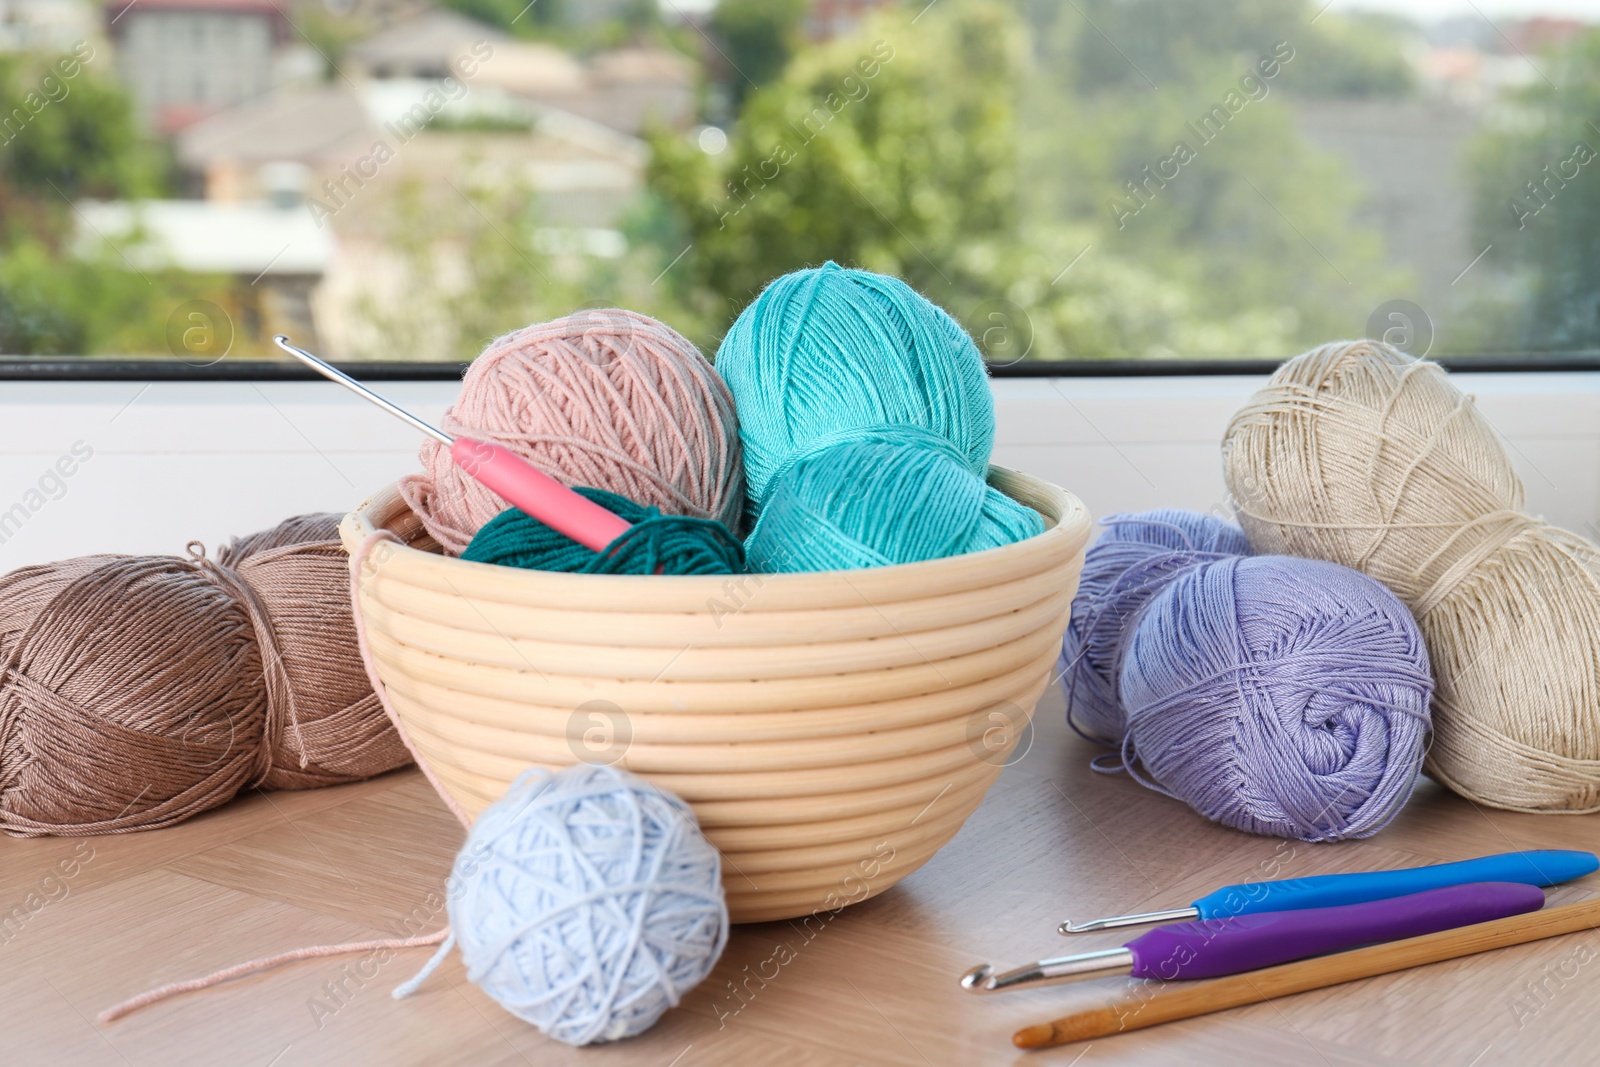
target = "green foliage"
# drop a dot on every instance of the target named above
(481, 122)
(1125, 44)
(54, 304)
(1256, 219)
(1114, 45)
(537, 20)
(558, 22)
(865, 153)
(466, 269)
(1536, 185)
(980, 190)
(1355, 55)
(758, 38)
(331, 34)
(72, 137)
(463, 271)
(32, 319)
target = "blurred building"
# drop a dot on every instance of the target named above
(632, 87)
(274, 253)
(585, 173)
(45, 25)
(1535, 35)
(1473, 63)
(220, 157)
(184, 59)
(422, 45)
(352, 152)
(536, 71)
(1407, 158)
(625, 88)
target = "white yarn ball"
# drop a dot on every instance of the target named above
(587, 902)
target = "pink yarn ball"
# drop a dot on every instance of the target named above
(604, 398)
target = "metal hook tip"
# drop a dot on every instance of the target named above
(974, 980)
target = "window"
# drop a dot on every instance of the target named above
(1141, 182)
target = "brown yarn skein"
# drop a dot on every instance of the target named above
(136, 691)
(1357, 453)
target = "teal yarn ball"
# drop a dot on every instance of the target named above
(670, 544)
(826, 353)
(871, 503)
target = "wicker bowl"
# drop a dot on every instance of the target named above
(831, 730)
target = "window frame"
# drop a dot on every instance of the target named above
(94, 369)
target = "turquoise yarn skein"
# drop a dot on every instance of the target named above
(586, 902)
(826, 353)
(872, 503)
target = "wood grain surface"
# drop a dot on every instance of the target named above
(876, 984)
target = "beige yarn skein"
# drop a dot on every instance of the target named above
(1357, 453)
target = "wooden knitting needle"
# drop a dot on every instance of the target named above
(1185, 1000)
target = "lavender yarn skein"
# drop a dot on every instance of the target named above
(1130, 563)
(1279, 696)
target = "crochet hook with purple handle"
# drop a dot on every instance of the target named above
(1210, 947)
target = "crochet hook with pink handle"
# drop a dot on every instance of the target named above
(528, 489)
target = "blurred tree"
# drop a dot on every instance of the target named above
(865, 151)
(91, 302)
(332, 32)
(1245, 211)
(31, 322)
(1121, 44)
(514, 16)
(981, 190)
(84, 143)
(1113, 45)
(59, 295)
(454, 273)
(1536, 183)
(1359, 54)
(758, 38)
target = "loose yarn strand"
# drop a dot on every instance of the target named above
(441, 937)
(280, 692)
(266, 963)
(412, 984)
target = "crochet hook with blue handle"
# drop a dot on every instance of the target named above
(1541, 867)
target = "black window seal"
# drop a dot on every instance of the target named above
(95, 369)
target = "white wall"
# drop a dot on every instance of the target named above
(190, 460)
(1127, 444)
